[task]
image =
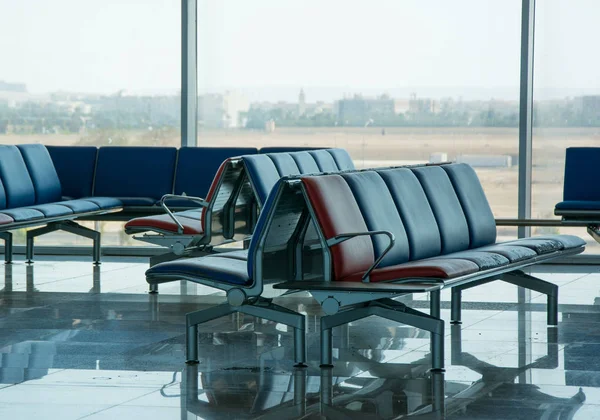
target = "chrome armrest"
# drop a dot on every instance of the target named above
(164, 198)
(338, 239)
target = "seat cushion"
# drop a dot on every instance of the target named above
(513, 253)
(567, 241)
(485, 260)
(442, 268)
(239, 255)
(578, 205)
(164, 223)
(218, 269)
(52, 210)
(105, 203)
(262, 173)
(5, 219)
(75, 166)
(42, 172)
(540, 246)
(15, 178)
(80, 206)
(23, 214)
(146, 172)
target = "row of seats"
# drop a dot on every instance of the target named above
(244, 181)
(140, 176)
(31, 195)
(382, 233)
(30, 189)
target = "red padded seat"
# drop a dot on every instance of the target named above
(5, 219)
(164, 223)
(442, 268)
(337, 212)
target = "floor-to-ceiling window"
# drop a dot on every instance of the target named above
(94, 73)
(391, 81)
(566, 98)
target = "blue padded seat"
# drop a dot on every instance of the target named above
(221, 269)
(480, 219)
(305, 162)
(265, 170)
(581, 166)
(285, 164)
(264, 174)
(342, 159)
(52, 210)
(415, 212)
(512, 252)
(23, 214)
(238, 255)
(578, 205)
(567, 241)
(15, 178)
(196, 167)
(137, 175)
(75, 166)
(281, 149)
(324, 160)
(43, 175)
(80, 206)
(379, 211)
(485, 260)
(451, 220)
(540, 246)
(105, 203)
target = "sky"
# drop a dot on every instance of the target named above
(269, 49)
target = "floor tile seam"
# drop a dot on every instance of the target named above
(119, 404)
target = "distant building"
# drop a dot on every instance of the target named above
(301, 103)
(217, 110)
(359, 110)
(422, 105)
(588, 108)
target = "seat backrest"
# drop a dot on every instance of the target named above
(42, 173)
(284, 149)
(18, 187)
(338, 212)
(197, 165)
(144, 172)
(264, 170)
(75, 167)
(431, 210)
(581, 169)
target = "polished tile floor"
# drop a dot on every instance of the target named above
(81, 342)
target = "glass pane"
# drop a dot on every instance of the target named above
(393, 82)
(566, 85)
(90, 73)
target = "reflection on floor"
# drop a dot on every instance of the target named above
(83, 342)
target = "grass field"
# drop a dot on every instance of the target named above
(369, 147)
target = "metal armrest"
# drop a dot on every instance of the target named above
(201, 201)
(338, 239)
